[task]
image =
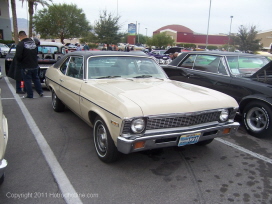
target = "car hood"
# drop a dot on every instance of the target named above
(155, 96)
(4, 49)
(264, 74)
(265, 70)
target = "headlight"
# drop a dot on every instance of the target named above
(161, 61)
(138, 125)
(224, 115)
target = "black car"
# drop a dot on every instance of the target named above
(246, 77)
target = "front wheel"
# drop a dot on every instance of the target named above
(257, 119)
(57, 105)
(104, 145)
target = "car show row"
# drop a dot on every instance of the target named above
(136, 101)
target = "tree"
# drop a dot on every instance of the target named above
(31, 4)
(106, 29)
(142, 39)
(61, 21)
(160, 40)
(246, 39)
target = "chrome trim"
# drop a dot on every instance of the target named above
(171, 138)
(174, 117)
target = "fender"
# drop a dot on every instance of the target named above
(259, 97)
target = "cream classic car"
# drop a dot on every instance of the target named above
(3, 141)
(132, 105)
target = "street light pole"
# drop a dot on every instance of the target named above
(230, 31)
(208, 24)
(145, 32)
(138, 32)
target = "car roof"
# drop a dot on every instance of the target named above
(50, 43)
(223, 53)
(101, 53)
(113, 53)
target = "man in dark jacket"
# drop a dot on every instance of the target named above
(26, 56)
(14, 72)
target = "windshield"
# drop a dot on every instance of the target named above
(246, 65)
(126, 67)
(158, 52)
(3, 46)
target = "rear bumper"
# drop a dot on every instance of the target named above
(171, 137)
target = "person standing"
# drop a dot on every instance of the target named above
(26, 56)
(86, 47)
(78, 47)
(15, 73)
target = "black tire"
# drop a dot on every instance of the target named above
(257, 118)
(2, 179)
(205, 142)
(57, 105)
(104, 145)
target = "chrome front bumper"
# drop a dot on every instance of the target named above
(170, 138)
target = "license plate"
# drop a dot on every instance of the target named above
(189, 139)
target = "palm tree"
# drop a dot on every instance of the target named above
(31, 4)
(14, 20)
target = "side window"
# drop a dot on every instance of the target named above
(188, 62)
(206, 63)
(63, 67)
(75, 67)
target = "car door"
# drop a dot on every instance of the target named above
(182, 70)
(206, 70)
(71, 82)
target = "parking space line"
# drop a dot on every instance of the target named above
(68, 191)
(258, 156)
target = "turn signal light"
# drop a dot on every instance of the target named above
(138, 145)
(226, 131)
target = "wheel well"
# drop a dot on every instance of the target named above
(92, 116)
(243, 103)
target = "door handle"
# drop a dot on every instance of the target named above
(61, 80)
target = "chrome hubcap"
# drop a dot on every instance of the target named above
(101, 137)
(256, 119)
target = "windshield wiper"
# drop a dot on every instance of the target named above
(108, 77)
(143, 76)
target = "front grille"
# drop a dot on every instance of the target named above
(176, 121)
(181, 121)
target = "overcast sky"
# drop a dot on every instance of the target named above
(151, 15)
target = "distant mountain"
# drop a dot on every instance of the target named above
(22, 24)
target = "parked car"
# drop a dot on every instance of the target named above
(245, 77)
(162, 56)
(3, 142)
(48, 54)
(3, 50)
(132, 105)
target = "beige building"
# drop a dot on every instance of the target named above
(266, 39)
(5, 25)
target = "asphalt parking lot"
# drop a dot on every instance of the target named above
(51, 159)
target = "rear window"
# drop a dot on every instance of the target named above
(246, 65)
